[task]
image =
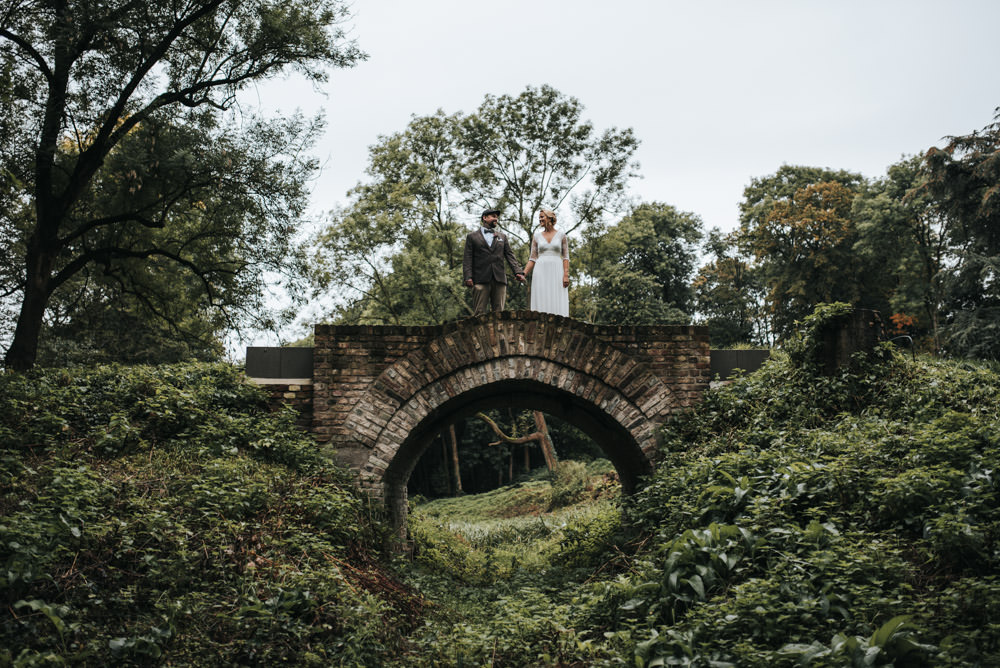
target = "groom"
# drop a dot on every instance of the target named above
(482, 268)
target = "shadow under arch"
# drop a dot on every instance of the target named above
(613, 438)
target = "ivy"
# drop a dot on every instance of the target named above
(168, 515)
(795, 518)
(872, 504)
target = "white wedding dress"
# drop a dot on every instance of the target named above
(547, 292)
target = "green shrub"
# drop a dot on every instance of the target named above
(866, 494)
(167, 515)
(569, 483)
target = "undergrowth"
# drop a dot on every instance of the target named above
(506, 587)
(802, 519)
(164, 515)
(795, 518)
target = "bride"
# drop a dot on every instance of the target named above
(550, 252)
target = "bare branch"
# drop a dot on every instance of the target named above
(35, 56)
(504, 438)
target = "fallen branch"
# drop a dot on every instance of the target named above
(540, 436)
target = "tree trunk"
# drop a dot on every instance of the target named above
(43, 244)
(546, 443)
(454, 458)
(541, 436)
(446, 464)
(24, 347)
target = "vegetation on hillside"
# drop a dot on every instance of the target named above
(805, 519)
(796, 519)
(165, 515)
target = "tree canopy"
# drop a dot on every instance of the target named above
(964, 181)
(729, 294)
(535, 151)
(394, 253)
(796, 225)
(641, 267)
(98, 170)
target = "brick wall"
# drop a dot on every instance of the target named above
(644, 363)
(347, 359)
(678, 354)
(298, 395)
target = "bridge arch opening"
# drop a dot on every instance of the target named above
(619, 444)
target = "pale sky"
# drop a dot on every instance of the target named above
(718, 92)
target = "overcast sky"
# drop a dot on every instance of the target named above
(718, 91)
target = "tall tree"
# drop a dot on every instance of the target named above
(760, 196)
(797, 226)
(640, 269)
(535, 151)
(90, 74)
(395, 251)
(729, 297)
(395, 254)
(907, 238)
(964, 180)
(210, 188)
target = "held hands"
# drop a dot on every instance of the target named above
(519, 277)
(565, 280)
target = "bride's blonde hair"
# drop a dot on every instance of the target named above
(549, 213)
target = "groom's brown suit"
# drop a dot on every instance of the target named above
(483, 264)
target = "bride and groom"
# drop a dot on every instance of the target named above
(486, 250)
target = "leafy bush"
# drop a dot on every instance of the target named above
(569, 483)
(166, 515)
(798, 518)
(795, 518)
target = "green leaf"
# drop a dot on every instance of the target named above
(882, 635)
(698, 585)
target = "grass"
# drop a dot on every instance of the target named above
(505, 586)
(517, 527)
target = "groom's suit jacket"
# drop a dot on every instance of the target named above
(482, 263)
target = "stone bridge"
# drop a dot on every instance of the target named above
(380, 394)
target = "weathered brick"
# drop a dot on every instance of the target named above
(373, 385)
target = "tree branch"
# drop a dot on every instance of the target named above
(541, 437)
(43, 67)
(106, 254)
(108, 136)
(504, 438)
(111, 220)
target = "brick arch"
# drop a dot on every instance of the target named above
(380, 392)
(437, 365)
(624, 432)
